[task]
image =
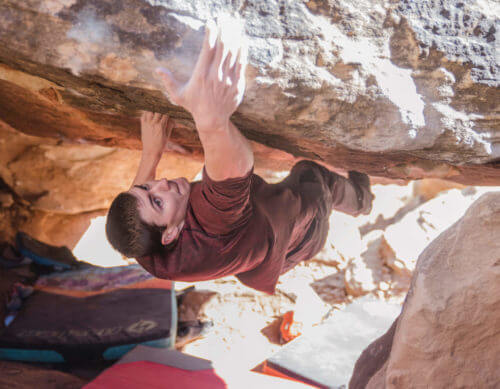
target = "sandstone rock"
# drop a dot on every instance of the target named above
(58, 229)
(429, 188)
(77, 178)
(401, 89)
(447, 334)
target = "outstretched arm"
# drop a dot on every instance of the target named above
(155, 132)
(212, 94)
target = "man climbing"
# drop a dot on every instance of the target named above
(231, 222)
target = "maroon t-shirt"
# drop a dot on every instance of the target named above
(248, 228)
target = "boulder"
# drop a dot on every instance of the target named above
(75, 178)
(447, 333)
(399, 89)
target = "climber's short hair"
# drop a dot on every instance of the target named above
(126, 231)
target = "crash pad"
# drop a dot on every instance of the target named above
(324, 355)
(91, 314)
(147, 367)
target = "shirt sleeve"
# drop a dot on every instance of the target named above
(224, 206)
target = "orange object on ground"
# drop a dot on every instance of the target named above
(289, 329)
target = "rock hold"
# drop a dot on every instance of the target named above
(391, 89)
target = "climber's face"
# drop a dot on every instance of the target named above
(163, 203)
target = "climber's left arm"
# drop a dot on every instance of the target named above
(155, 132)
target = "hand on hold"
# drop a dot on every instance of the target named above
(156, 129)
(216, 86)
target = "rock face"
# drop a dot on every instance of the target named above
(399, 89)
(74, 178)
(447, 333)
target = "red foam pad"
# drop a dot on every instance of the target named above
(145, 374)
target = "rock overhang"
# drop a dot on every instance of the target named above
(372, 86)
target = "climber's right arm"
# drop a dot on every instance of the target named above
(212, 94)
(155, 132)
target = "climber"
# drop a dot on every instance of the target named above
(231, 222)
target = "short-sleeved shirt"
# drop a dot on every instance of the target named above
(248, 228)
